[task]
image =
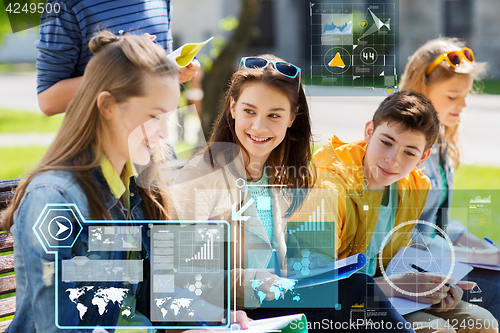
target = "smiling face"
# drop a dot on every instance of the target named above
(262, 115)
(448, 97)
(138, 124)
(391, 154)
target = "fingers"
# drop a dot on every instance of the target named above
(241, 318)
(457, 293)
(451, 300)
(194, 65)
(150, 37)
(466, 285)
(436, 298)
(437, 278)
(423, 287)
(188, 72)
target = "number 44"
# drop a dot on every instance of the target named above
(369, 55)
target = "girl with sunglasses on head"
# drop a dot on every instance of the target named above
(116, 119)
(444, 70)
(255, 173)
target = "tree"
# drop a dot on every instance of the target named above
(4, 23)
(19, 15)
(215, 80)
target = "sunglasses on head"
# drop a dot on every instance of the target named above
(285, 68)
(454, 58)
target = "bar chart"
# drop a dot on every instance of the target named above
(312, 227)
(199, 251)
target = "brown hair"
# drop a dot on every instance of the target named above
(414, 77)
(294, 153)
(118, 66)
(412, 111)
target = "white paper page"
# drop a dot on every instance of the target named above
(177, 52)
(484, 266)
(268, 324)
(400, 264)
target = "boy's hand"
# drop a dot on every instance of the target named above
(454, 296)
(149, 36)
(419, 283)
(188, 72)
(451, 300)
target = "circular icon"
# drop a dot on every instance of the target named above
(337, 60)
(368, 55)
(363, 24)
(422, 262)
(60, 228)
(388, 91)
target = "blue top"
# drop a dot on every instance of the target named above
(439, 200)
(63, 50)
(262, 200)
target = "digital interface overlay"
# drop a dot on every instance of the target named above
(355, 44)
(185, 262)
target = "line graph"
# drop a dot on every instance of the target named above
(163, 283)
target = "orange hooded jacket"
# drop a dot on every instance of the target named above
(339, 166)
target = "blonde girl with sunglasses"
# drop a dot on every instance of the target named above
(444, 69)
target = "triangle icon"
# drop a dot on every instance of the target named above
(363, 23)
(337, 61)
(62, 228)
(382, 74)
(389, 91)
(476, 290)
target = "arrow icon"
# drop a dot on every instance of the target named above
(62, 228)
(237, 215)
(377, 25)
(379, 22)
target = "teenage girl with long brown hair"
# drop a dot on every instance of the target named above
(117, 119)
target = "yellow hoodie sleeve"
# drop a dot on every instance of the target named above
(324, 194)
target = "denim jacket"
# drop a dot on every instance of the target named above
(35, 270)
(432, 211)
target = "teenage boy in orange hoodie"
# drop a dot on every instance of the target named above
(380, 188)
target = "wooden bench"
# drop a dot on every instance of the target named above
(7, 283)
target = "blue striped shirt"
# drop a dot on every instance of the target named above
(63, 50)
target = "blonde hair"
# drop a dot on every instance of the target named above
(414, 77)
(119, 66)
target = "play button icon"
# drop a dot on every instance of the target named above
(60, 228)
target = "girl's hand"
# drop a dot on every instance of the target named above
(240, 317)
(267, 286)
(489, 256)
(419, 283)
